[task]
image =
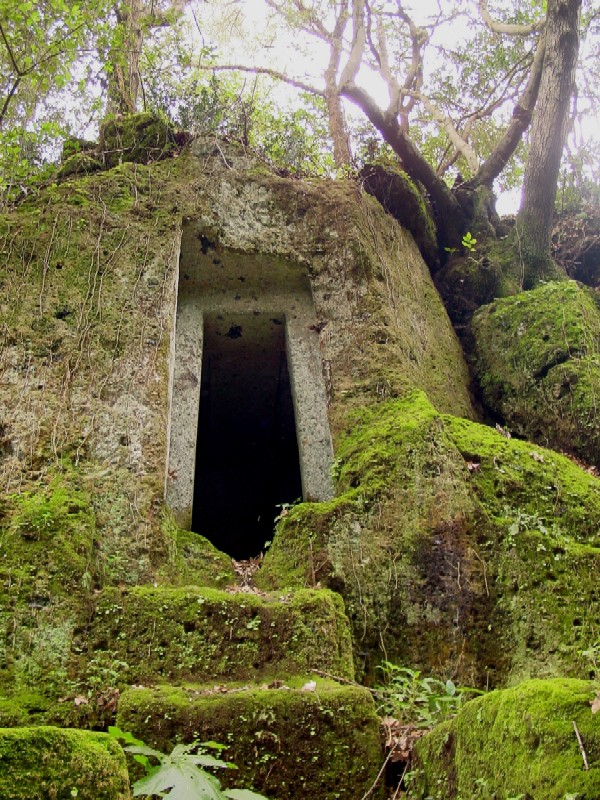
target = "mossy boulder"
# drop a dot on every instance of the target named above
(401, 198)
(456, 550)
(139, 138)
(466, 283)
(538, 364)
(518, 742)
(43, 763)
(287, 743)
(79, 164)
(204, 634)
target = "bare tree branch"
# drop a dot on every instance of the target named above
(521, 119)
(273, 73)
(507, 27)
(461, 144)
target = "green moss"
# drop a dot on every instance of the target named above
(400, 196)
(193, 560)
(466, 283)
(286, 743)
(41, 763)
(517, 742)
(443, 541)
(46, 540)
(46, 575)
(140, 138)
(192, 633)
(79, 164)
(537, 363)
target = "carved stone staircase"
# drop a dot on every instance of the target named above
(251, 671)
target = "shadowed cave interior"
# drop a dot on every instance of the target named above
(247, 462)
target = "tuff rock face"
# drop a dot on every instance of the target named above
(453, 549)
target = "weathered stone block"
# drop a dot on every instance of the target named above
(286, 743)
(206, 634)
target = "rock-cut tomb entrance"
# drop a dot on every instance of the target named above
(248, 428)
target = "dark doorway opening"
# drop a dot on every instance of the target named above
(247, 462)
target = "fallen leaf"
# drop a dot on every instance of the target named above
(309, 687)
(80, 700)
(596, 704)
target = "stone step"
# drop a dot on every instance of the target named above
(288, 743)
(159, 634)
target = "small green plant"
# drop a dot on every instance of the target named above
(285, 510)
(593, 656)
(180, 775)
(468, 242)
(423, 702)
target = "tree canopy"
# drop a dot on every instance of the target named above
(445, 89)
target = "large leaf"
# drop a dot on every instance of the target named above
(144, 750)
(179, 781)
(209, 761)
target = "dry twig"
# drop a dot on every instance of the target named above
(586, 766)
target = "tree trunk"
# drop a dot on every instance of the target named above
(337, 127)
(548, 133)
(450, 219)
(124, 78)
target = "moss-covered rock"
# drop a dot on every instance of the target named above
(466, 283)
(405, 202)
(193, 560)
(42, 763)
(47, 535)
(286, 743)
(518, 742)
(538, 358)
(139, 138)
(79, 164)
(444, 540)
(205, 634)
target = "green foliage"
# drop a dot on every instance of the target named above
(469, 242)
(579, 179)
(292, 139)
(43, 47)
(182, 774)
(421, 701)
